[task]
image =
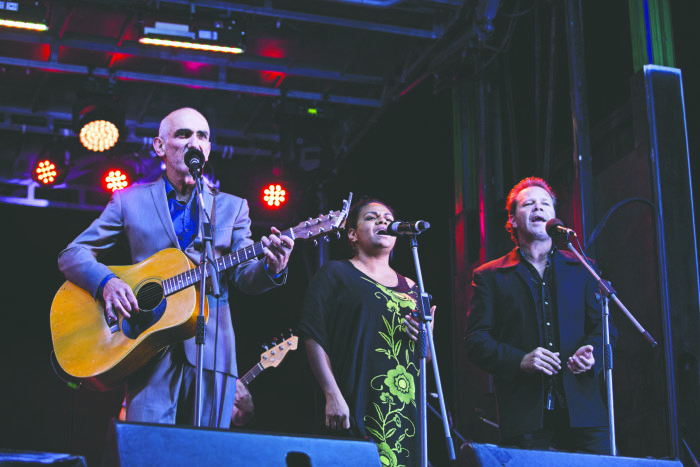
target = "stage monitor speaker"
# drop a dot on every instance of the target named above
(9, 457)
(138, 444)
(489, 455)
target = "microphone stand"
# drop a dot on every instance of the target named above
(609, 293)
(422, 349)
(205, 263)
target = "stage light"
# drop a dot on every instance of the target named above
(224, 36)
(274, 196)
(99, 124)
(49, 172)
(45, 172)
(51, 166)
(99, 135)
(23, 16)
(115, 179)
(190, 45)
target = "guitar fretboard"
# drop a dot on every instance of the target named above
(252, 374)
(183, 280)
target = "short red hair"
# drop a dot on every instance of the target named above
(511, 204)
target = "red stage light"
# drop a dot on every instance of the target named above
(115, 179)
(274, 196)
(47, 172)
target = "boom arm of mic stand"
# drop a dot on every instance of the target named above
(609, 292)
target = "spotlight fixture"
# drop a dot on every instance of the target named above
(51, 166)
(274, 196)
(115, 179)
(225, 36)
(49, 172)
(99, 135)
(30, 16)
(99, 121)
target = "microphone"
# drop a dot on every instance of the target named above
(194, 159)
(555, 228)
(406, 228)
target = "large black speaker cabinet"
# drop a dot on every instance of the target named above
(489, 455)
(9, 457)
(137, 444)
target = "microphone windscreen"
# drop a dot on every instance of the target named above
(194, 158)
(551, 226)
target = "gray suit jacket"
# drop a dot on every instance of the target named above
(139, 216)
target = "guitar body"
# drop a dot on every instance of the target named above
(101, 355)
(88, 349)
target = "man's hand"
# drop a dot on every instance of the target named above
(277, 249)
(541, 360)
(337, 413)
(119, 298)
(582, 361)
(243, 407)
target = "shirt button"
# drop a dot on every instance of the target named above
(546, 303)
(544, 283)
(548, 324)
(551, 345)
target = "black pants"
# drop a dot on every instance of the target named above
(558, 434)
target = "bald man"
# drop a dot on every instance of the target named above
(164, 214)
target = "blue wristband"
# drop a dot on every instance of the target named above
(274, 276)
(101, 287)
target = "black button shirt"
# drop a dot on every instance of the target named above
(544, 290)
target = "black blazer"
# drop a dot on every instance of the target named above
(503, 325)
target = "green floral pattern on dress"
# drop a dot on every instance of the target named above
(390, 425)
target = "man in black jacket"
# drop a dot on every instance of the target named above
(535, 325)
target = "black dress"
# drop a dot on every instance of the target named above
(358, 322)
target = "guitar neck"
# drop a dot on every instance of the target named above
(252, 374)
(183, 280)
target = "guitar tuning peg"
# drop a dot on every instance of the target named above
(315, 242)
(337, 235)
(291, 333)
(264, 346)
(325, 237)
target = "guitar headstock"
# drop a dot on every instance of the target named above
(273, 357)
(323, 224)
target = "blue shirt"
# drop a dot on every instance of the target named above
(185, 216)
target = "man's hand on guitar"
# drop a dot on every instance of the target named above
(277, 249)
(119, 298)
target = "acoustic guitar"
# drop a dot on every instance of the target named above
(101, 354)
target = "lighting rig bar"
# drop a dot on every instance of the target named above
(54, 66)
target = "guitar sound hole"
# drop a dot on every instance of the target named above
(149, 296)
